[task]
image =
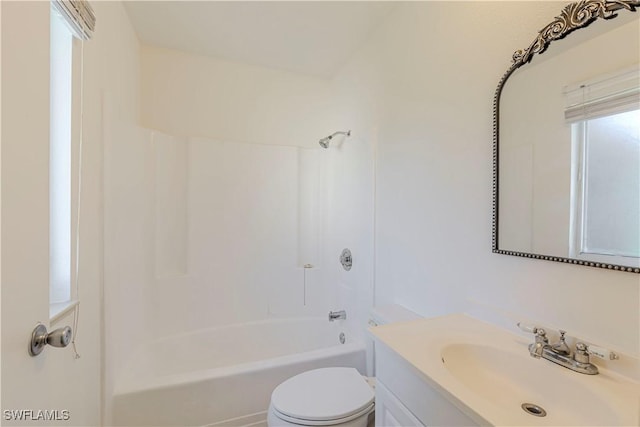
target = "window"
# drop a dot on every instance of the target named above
(606, 170)
(61, 64)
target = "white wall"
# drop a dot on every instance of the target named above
(425, 82)
(191, 95)
(54, 380)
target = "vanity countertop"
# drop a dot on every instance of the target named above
(487, 372)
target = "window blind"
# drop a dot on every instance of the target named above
(79, 15)
(612, 94)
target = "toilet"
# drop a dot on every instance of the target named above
(323, 397)
(337, 396)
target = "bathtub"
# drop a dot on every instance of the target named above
(225, 376)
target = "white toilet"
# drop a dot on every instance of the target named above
(330, 396)
(323, 397)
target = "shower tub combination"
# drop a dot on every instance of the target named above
(224, 376)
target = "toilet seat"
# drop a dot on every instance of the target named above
(332, 422)
(325, 396)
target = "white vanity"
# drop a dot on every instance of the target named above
(459, 371)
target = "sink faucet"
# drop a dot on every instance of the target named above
(561, 354)
(561, 346)
(335, 315)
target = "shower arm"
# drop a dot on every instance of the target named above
(347, 133)
(324, 142)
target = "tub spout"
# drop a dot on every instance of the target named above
(334, 315)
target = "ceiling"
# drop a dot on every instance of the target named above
(310, 37)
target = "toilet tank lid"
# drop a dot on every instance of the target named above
(323, 394)
(391, 313)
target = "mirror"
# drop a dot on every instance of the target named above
(567, 141)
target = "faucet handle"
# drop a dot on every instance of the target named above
(526, 327)
(602, 353)
(536, 330)
(583, 352)
(541, 334)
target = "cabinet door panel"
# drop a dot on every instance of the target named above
(390, 412)
(419, 397)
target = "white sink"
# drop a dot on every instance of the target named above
(487, 372)
(511, 379)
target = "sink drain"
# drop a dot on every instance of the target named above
(534, 410)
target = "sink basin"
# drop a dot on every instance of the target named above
(510, 379)
(487, 373)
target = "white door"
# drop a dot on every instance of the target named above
(54, 380)
(25, 201)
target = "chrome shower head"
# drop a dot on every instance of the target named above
(324, 142)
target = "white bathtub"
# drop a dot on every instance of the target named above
(226, 375)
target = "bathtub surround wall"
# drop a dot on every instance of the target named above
(246, 233)
(54, 379)
(432, 69)
(171, 168)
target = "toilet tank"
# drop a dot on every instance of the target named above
(384, 315)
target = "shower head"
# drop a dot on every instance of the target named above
(324, 142)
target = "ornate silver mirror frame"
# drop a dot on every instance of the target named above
(573, 17)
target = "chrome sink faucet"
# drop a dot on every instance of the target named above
(561, 346)
(561, 354)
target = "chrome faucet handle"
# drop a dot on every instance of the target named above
(581, 355)
(583, 352)
(541, 334)
(541, 342)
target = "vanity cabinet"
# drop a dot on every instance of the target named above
(404, 398)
